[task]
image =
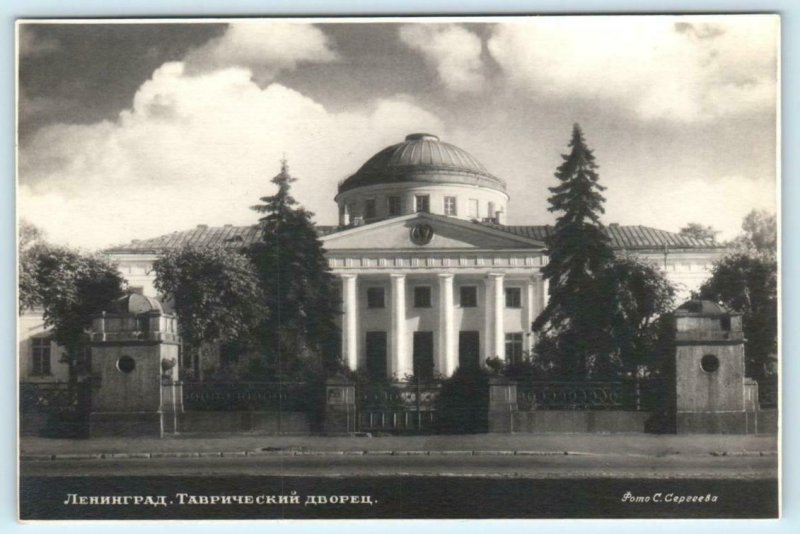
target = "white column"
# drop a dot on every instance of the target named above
(497, 343)
(447, 360)
(400, 361)
(350, 321)
(544, 293)
(529, 314)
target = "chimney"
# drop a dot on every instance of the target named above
(202, 227)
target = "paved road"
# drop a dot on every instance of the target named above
(546, 466)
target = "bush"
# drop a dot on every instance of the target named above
(463, 404)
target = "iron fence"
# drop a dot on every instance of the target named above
(250, 396)
(397, 407)
(629, 394)
(54, 397)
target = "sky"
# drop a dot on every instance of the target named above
(130, 131)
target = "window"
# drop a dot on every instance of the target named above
(423, 203)
(514, 347)
(473, 208)
(450, 206)
(422, 297)
(136, 290)
(394, 206)
(469, 296)
(513, 297)
(375, 297)
(369, 208)
(490, 211)
(40, 356)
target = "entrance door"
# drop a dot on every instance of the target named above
(376, 355)
(423, 355)
(469, 349)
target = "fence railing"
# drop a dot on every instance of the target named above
(630, 394)
(54, 397)
(397, 408)
(248, 396)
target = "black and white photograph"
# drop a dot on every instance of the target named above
(506, 267)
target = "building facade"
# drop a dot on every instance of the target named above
(431, 276)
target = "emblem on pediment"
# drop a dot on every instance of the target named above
(421, 234)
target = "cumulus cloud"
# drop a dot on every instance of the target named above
(675, 68)
(452, 50)
(263, 47)
(198, 149)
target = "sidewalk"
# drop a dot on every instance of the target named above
(34, 448)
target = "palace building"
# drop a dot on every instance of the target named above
(432, 277)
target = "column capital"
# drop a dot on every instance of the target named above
(397, 276)
(445, 276)
(496, 275)
(348, 276)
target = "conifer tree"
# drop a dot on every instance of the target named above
(296, 281)
(574, 322)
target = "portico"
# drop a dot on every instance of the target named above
(465, 296)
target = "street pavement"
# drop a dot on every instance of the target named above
(525, 455)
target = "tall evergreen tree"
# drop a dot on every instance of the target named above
(574, 320)
(296, 280)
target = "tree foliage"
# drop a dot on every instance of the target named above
(699, 231)
(578, 252)
(601, 318)
(638, 294)
(71, 287)
(216, 293)
(748, 283)
(759, 234)
(296, 279)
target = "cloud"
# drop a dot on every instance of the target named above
(674, 68)
(263, 47)
(198, 149)
(452, 50)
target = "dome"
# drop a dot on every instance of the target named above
(422, 157)
(704, 308)
(137, 304)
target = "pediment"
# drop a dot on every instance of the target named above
(410, 232)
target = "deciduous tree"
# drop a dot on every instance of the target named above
(748, 283)
(71, 287)
(699, 231)
(216, 293)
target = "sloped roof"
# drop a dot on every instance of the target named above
(636, 237)
(201, 235)
(622, 238)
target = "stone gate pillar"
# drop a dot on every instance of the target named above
(709, 370)
(340, 406)
(134, 370)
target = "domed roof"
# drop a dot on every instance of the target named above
(137, 304)
(704, 308)
(422, 158)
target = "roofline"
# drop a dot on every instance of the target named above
(436, 217)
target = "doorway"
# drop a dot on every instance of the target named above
(469, 349)
(376, 355)
(423, 355)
